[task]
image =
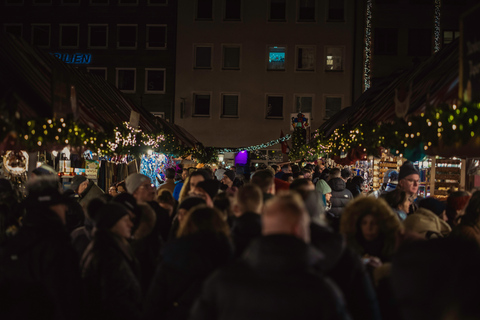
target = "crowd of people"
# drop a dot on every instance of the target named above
(285, 242)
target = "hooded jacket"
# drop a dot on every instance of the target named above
(340, 196)
(427, 224)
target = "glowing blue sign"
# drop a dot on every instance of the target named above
(76, 58)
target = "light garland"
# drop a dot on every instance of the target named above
(368, 46)
(437, 29)
(259, 146)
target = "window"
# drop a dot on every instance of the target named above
(229, 105)
(156, 36)
(385, 41)
(154, 80)
(202, 105)
(128, 2)
(203, 57)
(306, 10)
(42, 2)
(101, 72)
(41, 35)
(419, 42)
(233, 10)
(336, 10)
(274, 107)
(14, 2)
(332, 106)
(127, 36)
(334, 59)
(305, 58)
(99, 2)
(15, 29)
(303, 103)
(277, 10)
(157, 2)
(450, 35)
(231, 57)
(71, 2)
(69, 36)
(126, 79)
(98, 36)
(276, 58)
(204, 10)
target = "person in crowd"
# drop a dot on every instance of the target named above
(345, 174)
(302, 184)
(326, 192)
(192, 180)
(227, 179)
(427, 224)
(206, 190)
(276, 168)
(202, 245)
(179, 184)
(356, 186)
(86, 190)
(121, 188)
(469, 226)
(408, 181)
(456, 203)
(288, 177)
(264, 179)
(436, 206)
(399, 201)
(317, 172)
(183, 208)
(166, 201)
(247, 224)
(278, 267)
(82, 236)
(286, 168)
(169, 183)
(112, 190)
(110, 270)
(39, 277)
(341, 196)
(9, 211)
(392, 181)
(223, 201)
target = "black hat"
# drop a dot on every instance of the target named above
(209, 186)
(407, 169)
(433, 205)
(45, 197)
(230, 174)
(109, 214)
(77, 181)
(129, 201)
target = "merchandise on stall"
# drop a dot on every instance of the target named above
(447, 174)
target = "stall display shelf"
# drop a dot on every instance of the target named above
(381, 166)
(447, 174)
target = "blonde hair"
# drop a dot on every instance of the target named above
(202, 218)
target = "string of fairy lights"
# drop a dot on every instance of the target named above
(368, 46)
(438, 4)
(258, 146)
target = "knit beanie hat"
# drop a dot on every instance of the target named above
(129, 201)
(209, 186)
(433, 205)
(407, 169)
(134, 181)
(323, 187)
(230, 174)
(109, 214)
(458, 200)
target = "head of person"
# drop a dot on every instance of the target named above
(223, 201)
(435, 206)
(130, 203)
(141, 187)
(112, 190)
(146, 222)
(79, 184)
(114, 218)
(196, 177)
(408, 178)
(203, 219)
(302, 184)
(95, 204)
(276, 168)
(228, 178)
(334, 173)
(324, 189)
(170, 173)
(398, 200)
(186, 205)
(286, 168)
(249, 198)
(265, 180)
(288, 177)
(45, 200)
(185, 173)
(286, 214)
(206, 190)
(345, 174)
(121, 188)
(166, 200)
(456, 203)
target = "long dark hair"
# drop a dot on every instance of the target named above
(472, 212)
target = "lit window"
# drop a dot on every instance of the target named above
(229, 105)
(450, 35)
(126, 79)
(203, 57)
(274, 107)
(127, 36)
(231, 57)
(202, 105)
(69, 36)
(98, 36)
(276, 58)
(154, 80)
(334, 58)
(156, 36)
(41, 35)
(306, 58)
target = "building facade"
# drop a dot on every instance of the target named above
(246, 67)
(130, 43)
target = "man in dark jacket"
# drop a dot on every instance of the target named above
(340, 197)
(39, 276)
(274, 280)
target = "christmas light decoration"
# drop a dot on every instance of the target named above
(368, 46)
(437, 26)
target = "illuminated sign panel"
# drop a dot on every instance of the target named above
(76, 58)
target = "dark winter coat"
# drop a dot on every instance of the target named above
(91, 192)
(39, 277)
(187, 262)
(110, 275)
(345, 268)
(274, 280)
(81, 237)
(245, 228)
(340, 196)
